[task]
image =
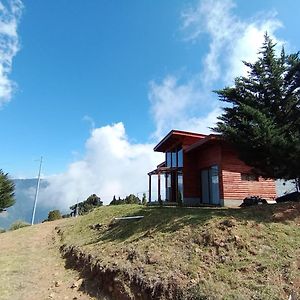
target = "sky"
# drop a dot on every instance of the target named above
(93, 85)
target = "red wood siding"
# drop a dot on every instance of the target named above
(230, 184)
(203, 158)
(191, 178)
(236, 189)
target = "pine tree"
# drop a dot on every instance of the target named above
(114, 201)
(144, 199)
(262, 118)
(7, 188)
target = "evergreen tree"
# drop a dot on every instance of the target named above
(144, 199)
(114, 201)
(262, 118)
(7, 188)
(54, 215)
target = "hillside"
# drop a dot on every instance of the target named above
(32, 268)
(171, 253)
(188, 253)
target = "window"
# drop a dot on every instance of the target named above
(169, 159)
(249, 177)
(174, 159)
(180, 157)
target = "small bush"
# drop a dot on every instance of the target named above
(54, 215)
(2, 230)
(18, 224)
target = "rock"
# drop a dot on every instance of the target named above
(228, 222)
(198, 250)
(222, 258)
(77, 284)
(253, 251)
(57, 283)
(96, 226)
(222, 244)
(236, 238)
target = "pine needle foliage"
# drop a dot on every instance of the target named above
(7, 188)
(262, 116)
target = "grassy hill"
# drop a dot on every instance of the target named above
(188, 253)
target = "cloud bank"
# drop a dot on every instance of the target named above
(112, 164)
(9, 45)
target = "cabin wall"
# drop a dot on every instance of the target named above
(191, 179)
(236, 189)
(194, 162)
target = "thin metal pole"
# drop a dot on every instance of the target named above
(36, 192)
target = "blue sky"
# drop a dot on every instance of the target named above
(84, 83)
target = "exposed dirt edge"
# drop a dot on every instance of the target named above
(116, 283)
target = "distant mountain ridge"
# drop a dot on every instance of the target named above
(22, 209)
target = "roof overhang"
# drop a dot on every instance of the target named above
(164, 170)
(209, 139)
(175, 137)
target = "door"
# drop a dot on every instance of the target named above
(214, 185)
(205, 186)
(210, 185)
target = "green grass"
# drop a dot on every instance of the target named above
(211, 253)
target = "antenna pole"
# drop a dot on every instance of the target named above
(36, 191)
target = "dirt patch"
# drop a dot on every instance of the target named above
(287, 212)
(32, 268)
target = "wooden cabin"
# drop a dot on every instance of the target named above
(203, 169)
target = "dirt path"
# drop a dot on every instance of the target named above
(31, 266)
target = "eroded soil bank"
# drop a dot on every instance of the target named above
(116, 283)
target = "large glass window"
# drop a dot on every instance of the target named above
(174, 159)
(168, 187)
(179, 187)
(180, 158)
(169, 159)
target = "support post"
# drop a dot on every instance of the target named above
(149, 187)
(158, 183)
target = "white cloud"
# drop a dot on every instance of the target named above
(9, 45)
(232, 40)
(112, 165)
(190, 104)
(173, 107)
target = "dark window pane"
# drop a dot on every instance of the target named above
(249, 177)
(174, 159)
(180, 158)
(168, 159)
(179, 187)
(168, 187)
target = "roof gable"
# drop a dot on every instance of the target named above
(178, 137)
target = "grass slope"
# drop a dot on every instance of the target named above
(208, 253)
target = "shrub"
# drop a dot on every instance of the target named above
(18, 224)
(54, 215)
(2, 230)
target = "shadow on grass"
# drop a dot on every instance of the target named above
(171, 219)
